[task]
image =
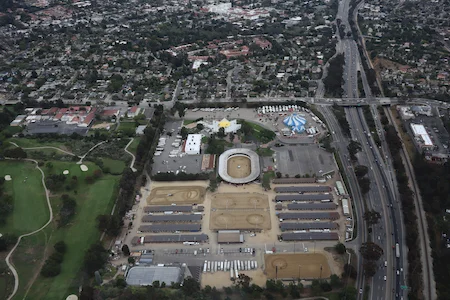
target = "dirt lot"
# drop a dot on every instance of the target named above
(177, 194)
(240, 200)
(240, 219)
(239, 166)
(289, 265)
(222, 279)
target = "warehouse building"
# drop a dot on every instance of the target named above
(193, 144)
(345, 208)
(312, 206)
(308, 226)
(308, 216)
(170, 227)
(311, 197)
(293, 180)
(172, 218)
(167, 208)
(310, 236)
(142, 276)
(303, 189)
(229, 237)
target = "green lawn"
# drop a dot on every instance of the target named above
(265, 151)
(12, 130)
(127, 128)
(133, 146)
(29, 143)
(30, 206)
(92, 200)
(187, 122)
(115, 166)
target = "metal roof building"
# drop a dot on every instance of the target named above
(307, 226)
(162, 208)
(310, 197)
(172, 218)
(309, 216)
(170, 227)
(312, 206)
(229, 236)
(303, 189)
(147, 275)
(172, 238)
(310, 236)
(293, 180)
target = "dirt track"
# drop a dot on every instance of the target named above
(240, 219)
(177, 195)
(290, 265)
(240, 200)
(238, 166)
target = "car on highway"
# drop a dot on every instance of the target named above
(384, 277)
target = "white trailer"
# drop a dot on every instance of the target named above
(209, 266)
(231, 273)
(241, 262)
(205, 266)
(248, 265)
(215, 266)
(256, 264)
(221, 266)
(237, 273)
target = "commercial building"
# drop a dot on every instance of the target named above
(345, 208)
(307, 197)
(421, 136)
(170, 238)
(308, 216)
(170, 227)
(310, 236)
(172, 218)
(141, 276)
(303, 189)
(308, 226)
(312, 206)
(167, 208)
(193, 144)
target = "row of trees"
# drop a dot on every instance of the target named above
(339, 113)
(52, 266)
(334, 80)
(409, 212)
(6, 203)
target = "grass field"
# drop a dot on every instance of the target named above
(128, 128)
(30, 206)
(92, 200)
(305, 266)
(115, 166)
(29, 143)
(133, 146)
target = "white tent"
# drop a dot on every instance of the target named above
(295, 122)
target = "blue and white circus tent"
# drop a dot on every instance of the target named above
(295, 122)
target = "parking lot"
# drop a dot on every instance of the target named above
(303, 160)
(168, 161)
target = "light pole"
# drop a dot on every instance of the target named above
(299, 268)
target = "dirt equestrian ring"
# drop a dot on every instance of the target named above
(240, 200)
(293, 266)
(177, 195)
(240, 219)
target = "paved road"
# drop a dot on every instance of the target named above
(8, 257)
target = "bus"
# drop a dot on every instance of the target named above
(397, 250)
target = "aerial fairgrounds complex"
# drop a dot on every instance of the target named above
(275, 233)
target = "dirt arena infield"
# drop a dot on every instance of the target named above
(239, 219)
(239, 166)
(178, 195)
(288, 265)
(239, 200)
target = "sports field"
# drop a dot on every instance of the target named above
(305, 265)
(239, 200)
(177, 195)
(239, 166)
(240, 219)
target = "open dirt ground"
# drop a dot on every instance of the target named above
(290, 265)
(239, 200)
(222, 279)
(240, 219)
(239, 166)
(176, 194)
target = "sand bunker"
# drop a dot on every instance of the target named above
(8, 177)
(65, 172)
(84, 168)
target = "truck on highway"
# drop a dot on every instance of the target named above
(397, 250)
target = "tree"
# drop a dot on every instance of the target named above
(17, 153)
(340, 248)
(126, 250)
(361, 171)
(335, 281)
(156, 284)
(279, 175)
(60, 247)
(353, 148)
(95, 258)
(184, 132)
(190, 286)
(349, 271)
(131, 260)
(221, 133)
(370, 267)
(364, 184)
(200, 126)
(372, 217)
(371, 251)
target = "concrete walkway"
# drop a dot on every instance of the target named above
(132, 155)
(8, 257)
